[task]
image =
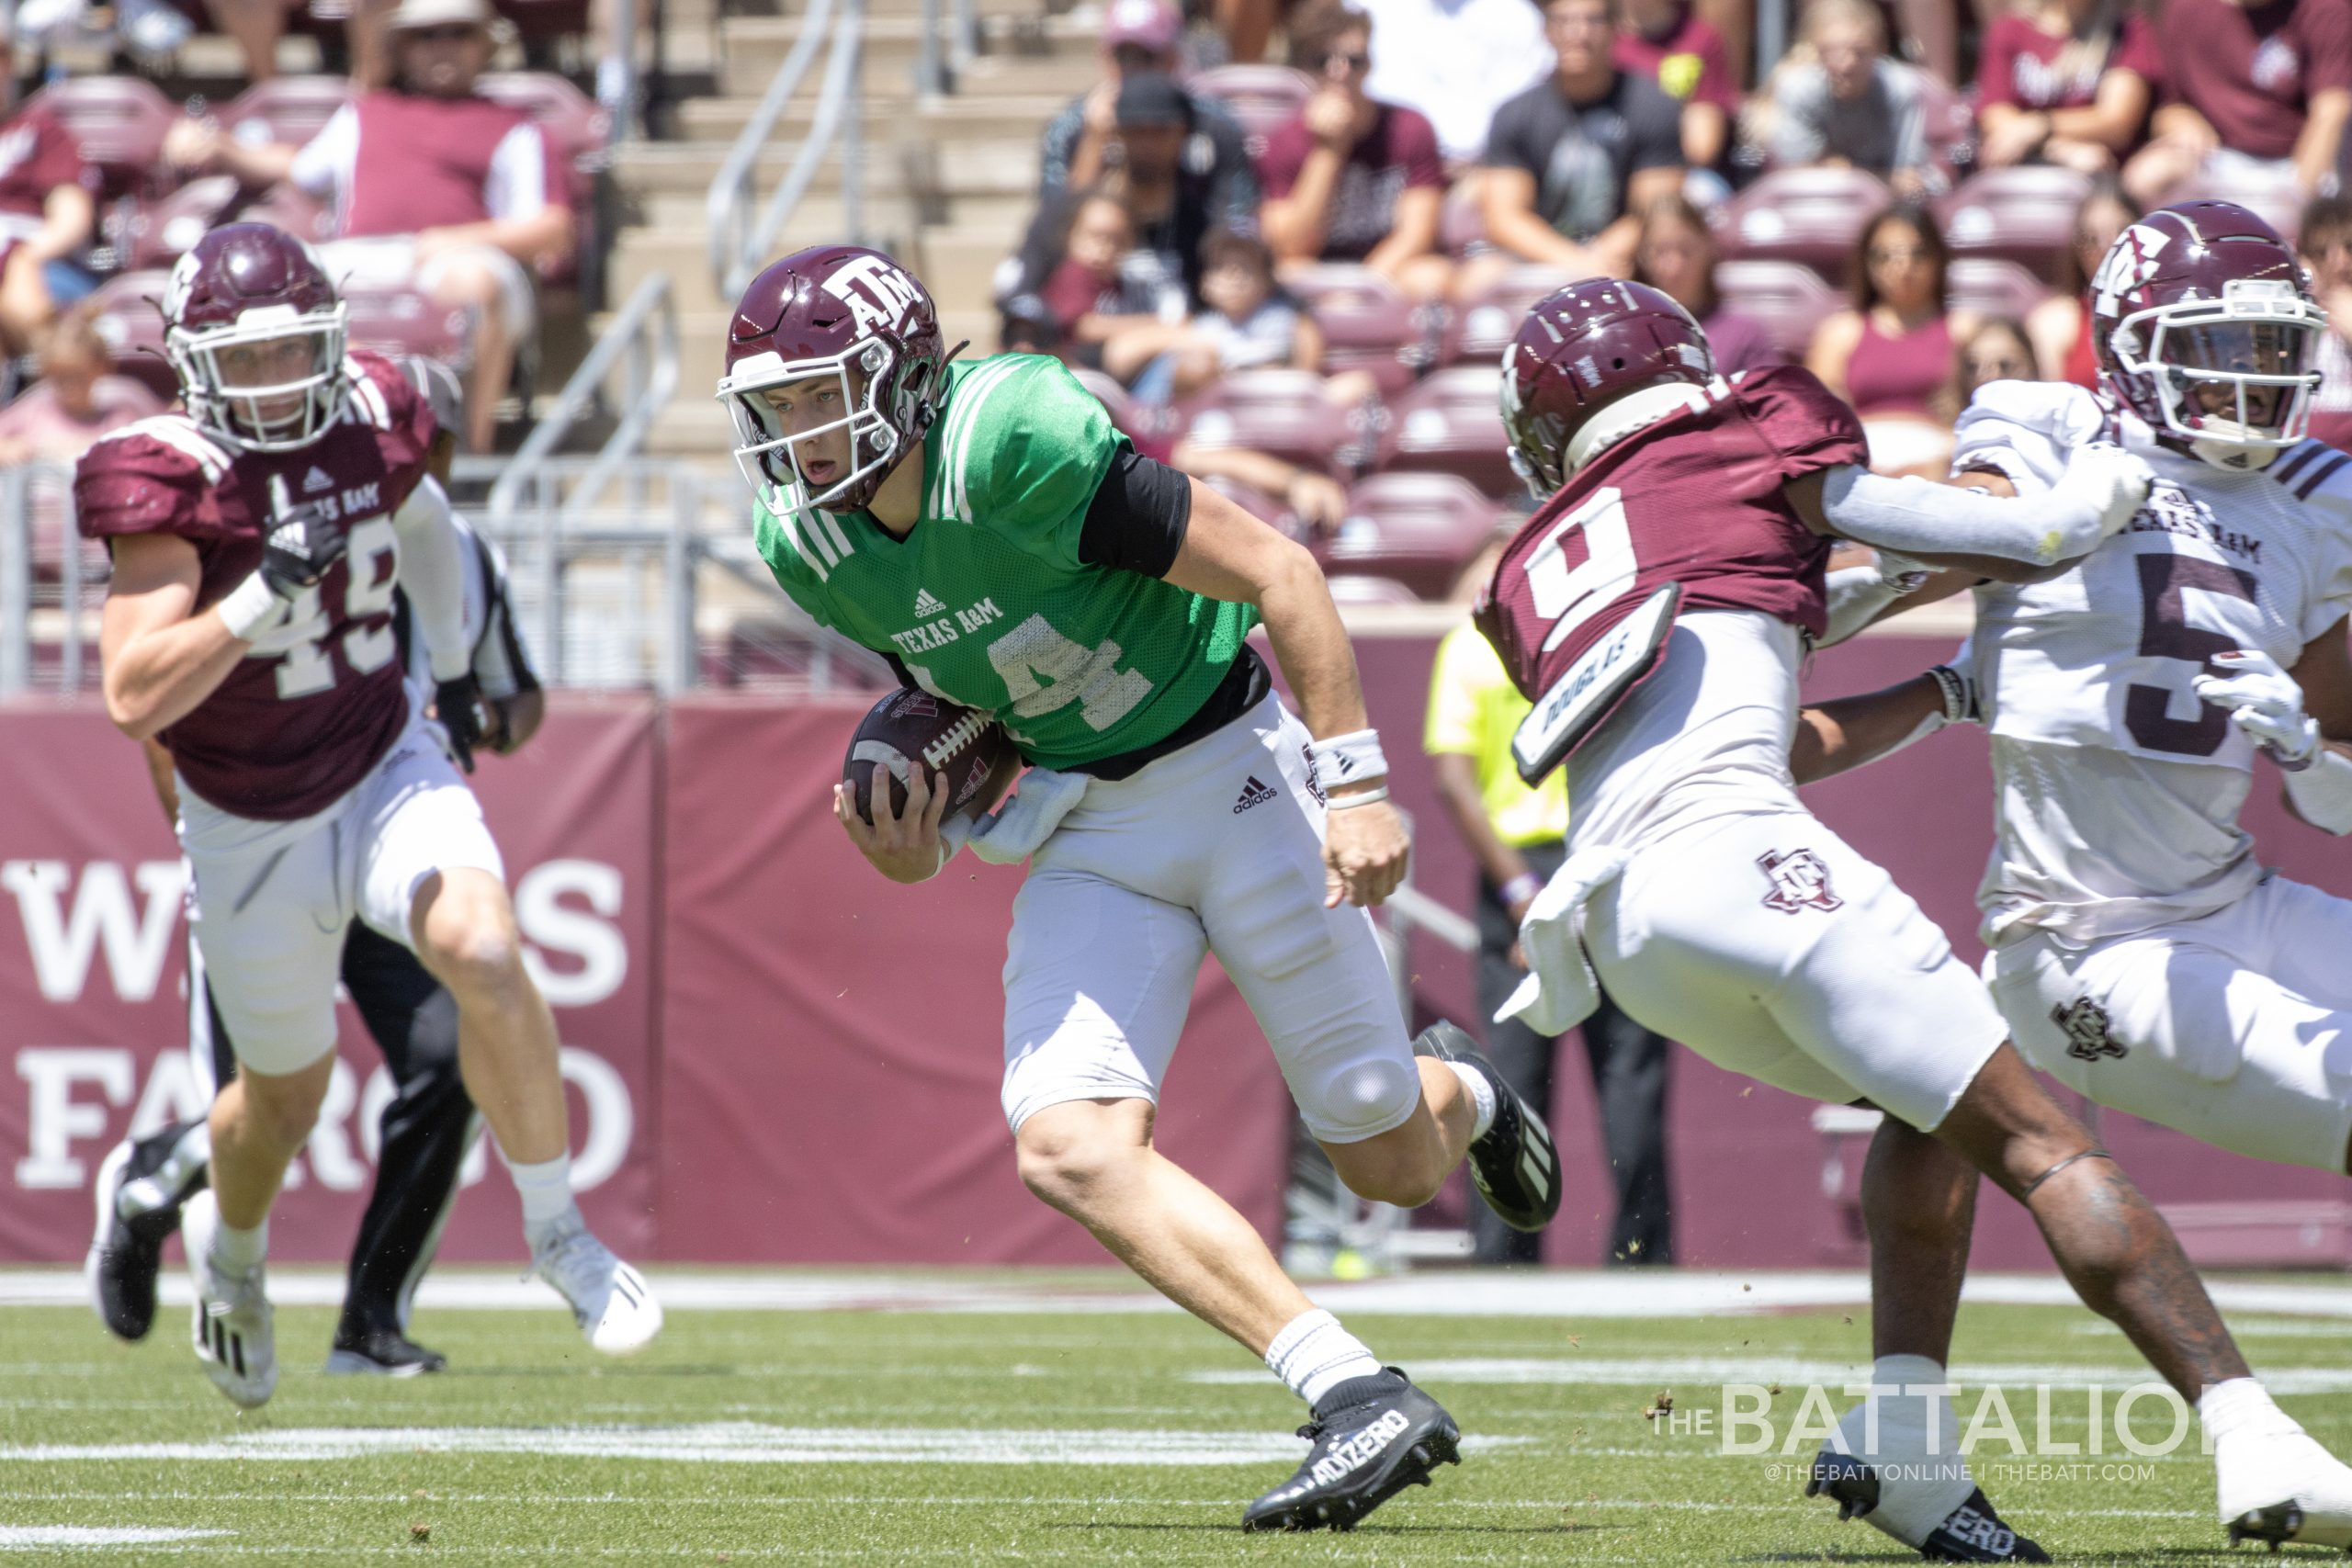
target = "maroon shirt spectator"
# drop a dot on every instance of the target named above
(47, 209)
(1396, 155)
(1675, 47)
(2067, 82)
(2253, 94)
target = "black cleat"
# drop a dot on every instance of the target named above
(1515, 1167)
(1969, 1533)
(384, 1353)
(141, 1187)
(1374, 1437)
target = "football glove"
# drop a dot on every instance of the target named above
(2264, 701)
(458, 705)
(304, 542)
(2112, 482)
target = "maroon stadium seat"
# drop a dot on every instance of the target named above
(128, 312)
(156, 232)
(1788, 298)
(1991, 286)
(1258, 505)
(1482, 328)
(1948, 123)
(1151, 426)
(1416, 529)
(1460, 224)
(289, 109)
(1261, 97)
(1451, 423)
(1811, 216)
(1108, 392)
(1367, 323)
(1360, 588)
(2276, 200)
(1280, 412)
(2024, 214)
(401, 321)
(578, 129)
(120, 123)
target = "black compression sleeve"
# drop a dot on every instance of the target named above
(1138, 519)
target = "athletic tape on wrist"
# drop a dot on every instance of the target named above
(251, 608)
(1348, 759)
(1361, 797)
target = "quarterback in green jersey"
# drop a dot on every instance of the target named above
(983, 525)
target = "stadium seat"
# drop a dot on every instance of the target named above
(1451, 423)
(401, 321)
(1273, 514)
(1947, 121)
(2276, 200)
(1279, 412)
(1361, 588)
(289, 109)
(1261, 97)
(1788, 298)
(1811, 216)
(120, 123)
(1108, 392)
(579, 131)
(1482, 328)
(1367, 323)
(1991, 286)
(2024, 214)
(1418, 530)
(128, 312)
(1460, 224)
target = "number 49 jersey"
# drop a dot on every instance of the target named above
(2119, 789)
(314, 705)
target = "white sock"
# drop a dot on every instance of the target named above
(238, 1251)
(1482, 1097)
(1313, 1355)
(1906, 1371)
(545, 1189)
(2242, 1405)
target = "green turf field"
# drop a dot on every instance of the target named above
(882, 1437)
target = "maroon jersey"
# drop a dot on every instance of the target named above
(316, 703)
(38, 155)
(1695, 499)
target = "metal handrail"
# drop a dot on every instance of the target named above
(645, 333)
(738, 239)
(938, 70)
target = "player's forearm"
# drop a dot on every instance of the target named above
(2323, 138)
(159, 677)
(1832, 736)
(2010, 537)
(434, 574)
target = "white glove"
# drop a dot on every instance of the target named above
(1012, 833)
(2265, 702)
(2110, 482)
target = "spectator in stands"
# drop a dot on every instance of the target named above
(1671, 44)
(1173, 202)
(1676, 254)
(1851, 104)
(47, 209)
(76, 400)
(2065, 81)
(1575, 157)
(1516, 837)
(1317, 501)
(255, 26)
(1352, 178)
(1998, 350)
(1113, 308)
(2061, 326)
(434, 186)
(2326, 240)
(1455, 61)
(1141, 37)
(2253, 97)
(1247, 322)
(1892, 354)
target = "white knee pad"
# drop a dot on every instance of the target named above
(1365, 1098)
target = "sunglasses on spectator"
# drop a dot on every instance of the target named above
(1880, 255)
(1354, 62)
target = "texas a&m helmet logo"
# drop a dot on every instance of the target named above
(1797, 880)
(876, 292)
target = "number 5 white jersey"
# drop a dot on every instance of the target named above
(2118, 789)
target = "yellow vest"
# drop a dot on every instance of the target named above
(1473, 710)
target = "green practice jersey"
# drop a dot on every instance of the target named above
(987, 601)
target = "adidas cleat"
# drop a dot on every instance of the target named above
(141, 1188)
(1374, 1437)
(2304, 1493)
(1515, 1167)
(384, 1353)
(610, 1299)
(232, 1329)
(1970, 1533)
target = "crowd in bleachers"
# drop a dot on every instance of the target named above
(1286, 239)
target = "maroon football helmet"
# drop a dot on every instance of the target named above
(1580, 349)
(2204, 326)
(852, 315)
(249, 286)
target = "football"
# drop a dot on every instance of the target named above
(959, 744)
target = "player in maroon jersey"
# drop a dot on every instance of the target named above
(1654, 610)
(256, 536)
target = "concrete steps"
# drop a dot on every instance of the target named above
(755, 46)
(889, 117)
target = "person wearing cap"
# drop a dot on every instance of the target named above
(1141, 36)
(434, 186)
(47, 207)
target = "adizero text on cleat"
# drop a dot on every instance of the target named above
(1372, 1438)
(1515, 1167)
(142, 1185)
(1969, 1533)
(384, 1353)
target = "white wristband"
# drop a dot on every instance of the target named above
(1348, 759)
(1372, 796)
(251, 608)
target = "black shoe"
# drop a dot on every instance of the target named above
(142, 1185)
(382, 1352)
(1515, 1166)
(1374, 1437)
(1969, 1533)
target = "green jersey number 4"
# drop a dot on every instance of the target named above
(1043, 671)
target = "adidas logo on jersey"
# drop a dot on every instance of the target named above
(927, 605)
(1253, 793)
(316, 481)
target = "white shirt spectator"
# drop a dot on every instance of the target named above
(1456, 61)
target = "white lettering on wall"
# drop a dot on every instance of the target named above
(136, 936)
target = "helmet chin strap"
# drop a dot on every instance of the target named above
(1635, 411)
(2233, 458)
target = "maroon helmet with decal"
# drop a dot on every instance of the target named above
(2205, 326)
(1580, 349)
(254, 328)
(865, 335)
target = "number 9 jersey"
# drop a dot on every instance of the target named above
(2118, 789)
(319, 700)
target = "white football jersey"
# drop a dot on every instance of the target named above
(2118, 789)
